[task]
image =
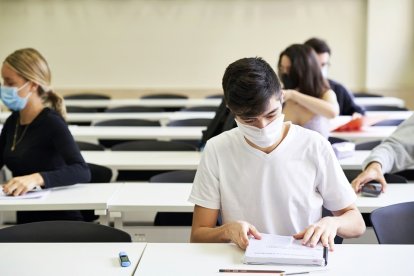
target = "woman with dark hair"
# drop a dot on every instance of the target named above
(309, 102)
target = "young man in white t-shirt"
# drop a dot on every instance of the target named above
(267, 175)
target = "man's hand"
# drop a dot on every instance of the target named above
(238, 232)
(323, 231)
(372, 172)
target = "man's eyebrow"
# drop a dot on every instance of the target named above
(254, 117)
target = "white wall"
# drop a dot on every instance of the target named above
(177, 43)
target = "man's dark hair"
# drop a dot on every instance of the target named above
(304, 71)
(320, 46)
(248, 85)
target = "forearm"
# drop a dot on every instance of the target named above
(350, 224)
(210, 234)
(315, 105)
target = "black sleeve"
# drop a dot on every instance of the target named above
(345, 99)
(76, 170)
(2, 145)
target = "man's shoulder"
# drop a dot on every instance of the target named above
(225, 138)
(337, 87)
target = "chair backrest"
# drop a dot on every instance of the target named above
(62, 231)
(81, 109)
(394, 224)
(389, 177)
(190, 122)
(164, 96)
(407, 174)
(153, 146)
(89, 146)
(100, 174)
(201, 108)
(384, 108)
(367, 145)
(366, 95)
(87, 96)
(174, 177)
(127, 122)
(334, 140)
(393, 122)
(131, 108)
(215, 96)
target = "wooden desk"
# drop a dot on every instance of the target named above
(206, 259)
(76, 197)
(144, 160)
(130, 133)
(138, 197)
(70, 259)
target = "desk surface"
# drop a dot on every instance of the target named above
(67, 258)
(366, 134)
(206, 259)
(130, 133)
(170, 197)
(144, 160)
(177, 160)
(76, 197)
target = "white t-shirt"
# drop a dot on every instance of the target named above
(281, 192)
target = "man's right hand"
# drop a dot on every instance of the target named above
(372, 172)
(238, 232)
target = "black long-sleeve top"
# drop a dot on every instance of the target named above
(44, 146)
(347, 105)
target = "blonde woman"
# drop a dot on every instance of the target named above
(309, 102)
(35, 142)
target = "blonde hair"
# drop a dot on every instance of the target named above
(32, 66)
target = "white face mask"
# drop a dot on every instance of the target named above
(263, 137)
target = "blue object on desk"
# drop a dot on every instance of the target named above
(123, 258)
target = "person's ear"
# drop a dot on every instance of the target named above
(33, 86)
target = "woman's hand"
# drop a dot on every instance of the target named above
(22, 184)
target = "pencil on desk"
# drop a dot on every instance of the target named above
(250, 271)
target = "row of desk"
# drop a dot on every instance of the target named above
(364, 101)
(188, 259)
(116, 199)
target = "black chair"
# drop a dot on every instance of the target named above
(174, 177)
(367, 145)
(145, 175)
(123, 122)
(366, 95)
(407, 174)
(215, 96)
(164, 96)
(81, 109)
(62, 231)
(174, 218)
(153, 146)
(89, 146)
(384, 108)
(334, 140)
(87, 96)
(393, 122)
(134, 108)
(201, 108)
(394, 224)
(190, 122)
(99, 174)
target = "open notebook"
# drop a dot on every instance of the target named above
(29, 195)
(275, 249)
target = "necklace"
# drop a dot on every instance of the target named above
(15, 140)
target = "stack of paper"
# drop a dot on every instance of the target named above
(29, 195)
(275, 249)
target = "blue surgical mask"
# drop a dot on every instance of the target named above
(10, 97)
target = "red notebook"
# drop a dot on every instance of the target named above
(356, 124)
